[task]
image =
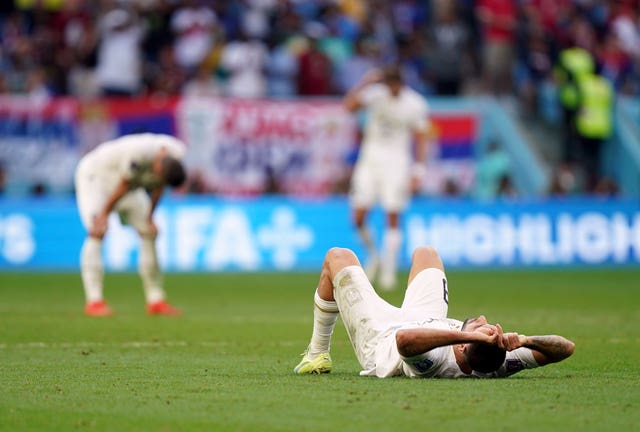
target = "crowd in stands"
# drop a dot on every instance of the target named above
(282, 48)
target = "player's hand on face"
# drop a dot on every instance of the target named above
(492, 332)
(511, 341)
(100, 225)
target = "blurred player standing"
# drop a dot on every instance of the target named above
(126, 175)
(388, 168)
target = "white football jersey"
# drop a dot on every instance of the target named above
(439, 362)
(130, 157)
(391, 120)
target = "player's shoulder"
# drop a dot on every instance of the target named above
(167, 139)
(413, 96)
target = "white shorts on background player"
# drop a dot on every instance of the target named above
(372, 324)
(130, 157)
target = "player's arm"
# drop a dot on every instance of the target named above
(411, 342)
(99, 227)
(422, 136)
(352, 101)
(545, 349)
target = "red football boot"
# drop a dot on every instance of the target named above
(98, 309)
(162, 308)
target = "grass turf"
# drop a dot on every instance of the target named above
(226, 363)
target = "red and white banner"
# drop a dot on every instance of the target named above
(255, 146)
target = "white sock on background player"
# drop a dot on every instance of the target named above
(390, 249)
(91, 269)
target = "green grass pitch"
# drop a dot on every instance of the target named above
(226, 364)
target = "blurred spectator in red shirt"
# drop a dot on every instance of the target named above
(498, 21)
(314, 68)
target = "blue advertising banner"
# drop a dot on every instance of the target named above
(211, 234)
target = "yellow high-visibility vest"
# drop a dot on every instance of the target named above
(572, 63)
(594, 115)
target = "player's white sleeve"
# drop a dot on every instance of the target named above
(427, 364)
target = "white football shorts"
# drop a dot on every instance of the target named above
(387, 183)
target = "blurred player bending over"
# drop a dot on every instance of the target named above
(386, 170)
(416, 339)
(126, 175)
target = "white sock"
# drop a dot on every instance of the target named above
(150, 270)
(325, 314)
(91, 269)
(390, 249)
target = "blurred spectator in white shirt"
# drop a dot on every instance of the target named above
(194, 26)
(245, 61)
(119, 68)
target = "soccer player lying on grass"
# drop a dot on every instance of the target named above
(128, 176)
(416, 339)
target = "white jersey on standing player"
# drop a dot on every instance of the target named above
(131, 157)
(390, 124)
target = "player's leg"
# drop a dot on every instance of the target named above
(364, 314)
(396, 192)
(427, 294)
(362, 197)
(391, 243)
(134, 210)
(90, 199)
(316, 359)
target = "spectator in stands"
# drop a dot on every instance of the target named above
(448, 35)
(491, 169)
(203, 84)
(193, 24)
(75, 38)
(282, 69)
(594, 122)
(564, 182)
(615, 64)
(165, 77)
(245, 60)
(572, 62)
(364, 59)
(498, 21)
(119, 66)
(315, 71)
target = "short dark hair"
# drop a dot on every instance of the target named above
(392, 75)
(484, 358)
(173, 171)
